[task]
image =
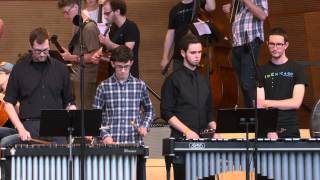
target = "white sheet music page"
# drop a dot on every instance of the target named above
(202, 28)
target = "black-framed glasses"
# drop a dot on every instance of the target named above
(39, 51)
(272, 45)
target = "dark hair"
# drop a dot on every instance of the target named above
(121, 54)
(188, 39)
(39, 35)
(279, 31)
(118, 4)
(64, 3)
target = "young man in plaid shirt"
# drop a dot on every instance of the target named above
(121, 98)
(247, 30)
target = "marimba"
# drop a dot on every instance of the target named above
(50, 162)
(288, 159)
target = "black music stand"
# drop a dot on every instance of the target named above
(61, 122)
(242, 120)
(235, 120)
(56, 122)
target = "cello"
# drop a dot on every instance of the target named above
(215, 62)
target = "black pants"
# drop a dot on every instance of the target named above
(245, 69)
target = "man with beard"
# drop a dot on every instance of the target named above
(123, 31)
(38, 82)
(186, 99)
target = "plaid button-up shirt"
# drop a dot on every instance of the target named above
(246, 22)
(121, 104)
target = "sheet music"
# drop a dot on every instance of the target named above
(202, 28)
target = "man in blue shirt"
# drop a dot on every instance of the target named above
(121, 98)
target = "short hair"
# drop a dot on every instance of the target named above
(279, 31)
(39, 35)
(64, 3)
(121, 53)
(118, 4)
(188, 39)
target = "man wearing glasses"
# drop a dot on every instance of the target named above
(282, 86)
(121, 97)
(123, 31)
(38, 82)
(90, 44)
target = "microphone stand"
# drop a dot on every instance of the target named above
(82, 142)
(254, 103)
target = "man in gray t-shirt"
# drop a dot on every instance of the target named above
(90, 37)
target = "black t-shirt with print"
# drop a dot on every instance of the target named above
(278, 82)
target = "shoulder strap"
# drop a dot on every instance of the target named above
(76, 36)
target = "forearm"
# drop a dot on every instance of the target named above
(178, 125)
(210, 5)
(111, 45)
(13, 116)
(285, 104)
(168, 42)
(255, 10)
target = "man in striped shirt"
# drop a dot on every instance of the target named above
(121, 98)
(247, 30)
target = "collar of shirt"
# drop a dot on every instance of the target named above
(192, 73)
(115, 80)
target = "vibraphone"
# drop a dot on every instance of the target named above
(50, 162)
(289, 159)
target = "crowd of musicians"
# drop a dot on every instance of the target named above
(39, 81)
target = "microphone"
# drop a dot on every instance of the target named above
(77, 20)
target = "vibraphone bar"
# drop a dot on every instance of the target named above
(289, 159)
(50, 162)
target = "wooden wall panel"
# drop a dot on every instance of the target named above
(21, 17)
(293, 6)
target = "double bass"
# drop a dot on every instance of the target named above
(215, 61)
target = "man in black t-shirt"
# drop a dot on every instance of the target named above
(179, 18)
(282, 86)
(122, 32)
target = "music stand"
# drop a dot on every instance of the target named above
(235, 120)
(55, 122)
(60, 122)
